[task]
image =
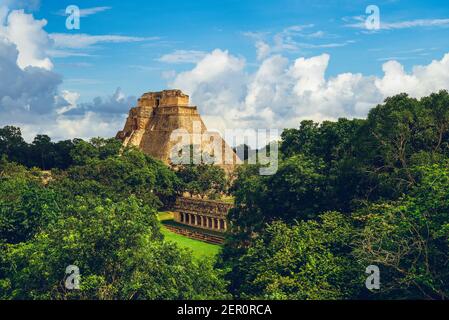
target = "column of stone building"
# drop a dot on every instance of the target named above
(209, 223)
(197, 220)
(202, 221)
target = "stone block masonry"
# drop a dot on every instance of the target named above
(203, 214)
(151, 123)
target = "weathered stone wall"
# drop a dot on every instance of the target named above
(196, 235)
(216, 209)
(164, 98)
(204, 214)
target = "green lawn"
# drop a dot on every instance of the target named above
(200, 249)
(164, 216)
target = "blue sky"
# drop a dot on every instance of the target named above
(204, 25)
(245, 63)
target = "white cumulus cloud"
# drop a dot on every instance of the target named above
(29, 36)
(282, 92)
(30, 95)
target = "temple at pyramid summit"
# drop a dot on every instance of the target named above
(154, 125)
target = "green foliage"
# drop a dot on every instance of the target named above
(204, 180)
(347, 194)
(26, 205)
(329, 141)
(12, 144)
(409, 239)
(385, 174)
(118, 248)
(295, 191)
(42, 152)
(46, 155)
(308, 261)
(100, 217)
(119, 176)
(97, 149)
(399, 135)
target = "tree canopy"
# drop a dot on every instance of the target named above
(347, 195)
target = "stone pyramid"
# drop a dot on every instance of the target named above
(150, 127)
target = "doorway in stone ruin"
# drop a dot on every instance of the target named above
(158, 102)
(135, 124)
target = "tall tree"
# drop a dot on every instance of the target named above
(12, 144)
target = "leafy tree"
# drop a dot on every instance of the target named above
(97, 148)
(332, 145)
(118, 177)
(308, 261)
(119, 251)
(12, 144)
(62, 158)
(408, 239)
(26, 206)
(296, 191)
(42, 153)
(402, 133)
(438, 106)
(204, 180)
(345, 166)
(295, 141)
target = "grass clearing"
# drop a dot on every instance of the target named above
(200, 249)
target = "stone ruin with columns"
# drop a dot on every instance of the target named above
(204, 214)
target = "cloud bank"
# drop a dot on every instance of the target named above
(30, 95)
(281, 92)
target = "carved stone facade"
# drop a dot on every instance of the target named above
(151, 124)
(204, 214)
